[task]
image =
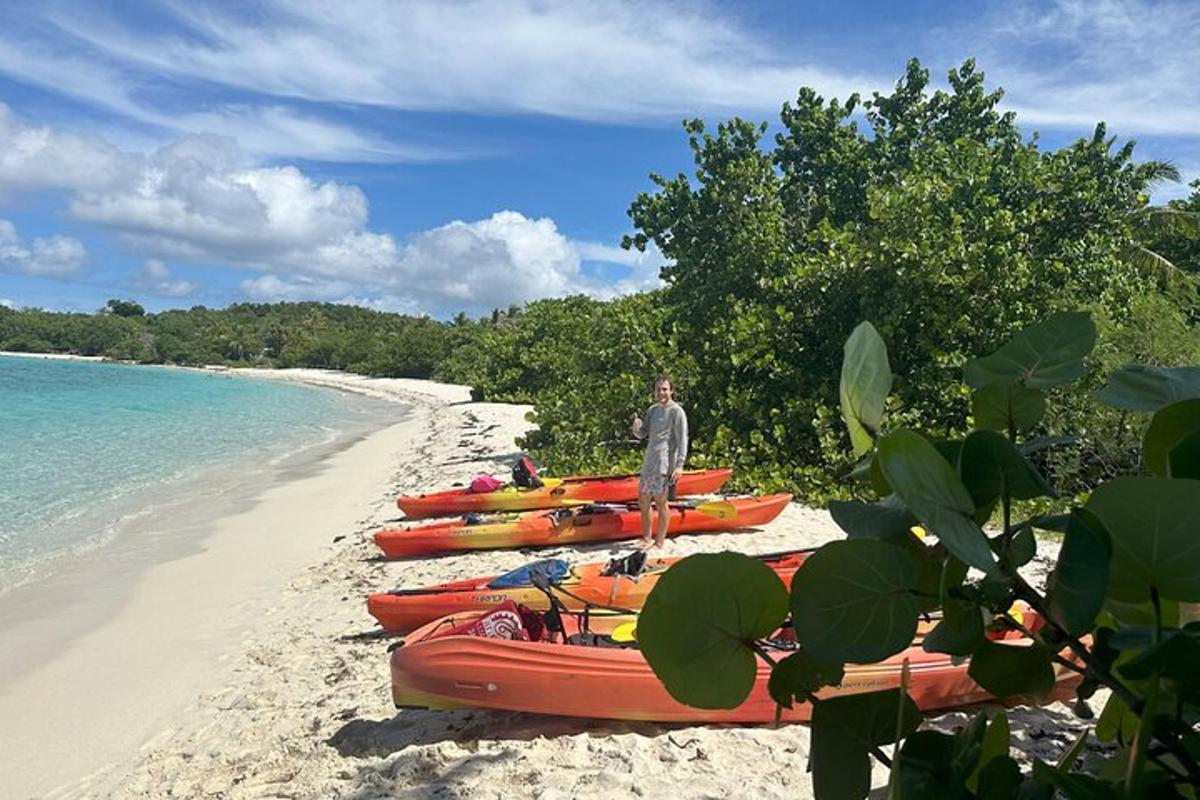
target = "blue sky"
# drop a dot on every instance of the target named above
(436, 157)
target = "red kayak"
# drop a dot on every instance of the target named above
(479, 660)
(554, 493)
(564, 526)
(595, 584)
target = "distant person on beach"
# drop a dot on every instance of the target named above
(665, 430)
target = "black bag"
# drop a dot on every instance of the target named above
(525, 474)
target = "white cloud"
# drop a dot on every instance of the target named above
(156, 277)
(4, 301)
(579, 60)
(196, 200)
(46, 257)
(1072, 63)
(509, 258)
(39, 157)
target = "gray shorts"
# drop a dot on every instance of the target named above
(654, 484)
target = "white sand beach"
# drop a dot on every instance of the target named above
(248, 669)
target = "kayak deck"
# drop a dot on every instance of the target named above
(569, 526)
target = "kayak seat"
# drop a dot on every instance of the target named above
(630, 566)
(553, 569)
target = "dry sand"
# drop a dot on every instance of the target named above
(263, 679)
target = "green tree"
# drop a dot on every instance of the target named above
(124, 308)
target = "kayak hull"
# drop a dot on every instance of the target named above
(539, 529)
(406, 610)
(617, 683)
(598, 489)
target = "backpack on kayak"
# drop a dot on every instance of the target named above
(525, 474)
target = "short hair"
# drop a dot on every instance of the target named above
(664, 378)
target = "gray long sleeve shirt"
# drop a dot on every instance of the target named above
(666, 430)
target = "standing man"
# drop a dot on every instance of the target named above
(666, 432)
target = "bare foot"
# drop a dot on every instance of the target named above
(645, 544)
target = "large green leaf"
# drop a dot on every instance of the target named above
(853, 601)
(1116, 719)
(1154, 527)
(1006, 670)
(866, 381)
(960, 630)
(1184, 458)
(1170, 427)
(1000, 779)
(1007, 405)
(1045, 354)
(1076, 588)
(932, 490)
(995, 745)
(991, 467)
(890, 522)
(925, 768)
(700, 620)
(1140, 387)
(1176, 658)
(1074, 786)
(845, 728)
(799, 675)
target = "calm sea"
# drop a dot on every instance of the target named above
(87, 445)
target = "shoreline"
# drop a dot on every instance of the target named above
(146, 622)
(297, 703)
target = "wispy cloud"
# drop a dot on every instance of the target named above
(1069, 64)
(604, 61)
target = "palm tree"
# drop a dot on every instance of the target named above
(1148, 223)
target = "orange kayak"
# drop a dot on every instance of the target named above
(439, 667)
(570, 525)
(587, 584)
(555, 493)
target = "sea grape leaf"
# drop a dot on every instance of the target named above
(865, 383)
(995, 746)
(960, 630)
(1009, 669)
(1077, 586)
(1154, 527)
(1116, 719)
(1176, 657)
(925, 768)
(1038, 443)
(1184, 458)
(991, 466)
(1169, 427)
(700, 620)
(1007, 405)
(853, 601)
(843, 731)
(1000, 779)
(888, 522)
(1075, 786)
(800, 675)
(1140, 387)
(1045, 354)
(1023, 547)
(931, 489)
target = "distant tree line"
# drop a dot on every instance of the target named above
(939, 222)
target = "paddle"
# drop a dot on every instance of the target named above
(626, 632)
(721, 509)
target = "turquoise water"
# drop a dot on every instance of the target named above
(84, 444)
